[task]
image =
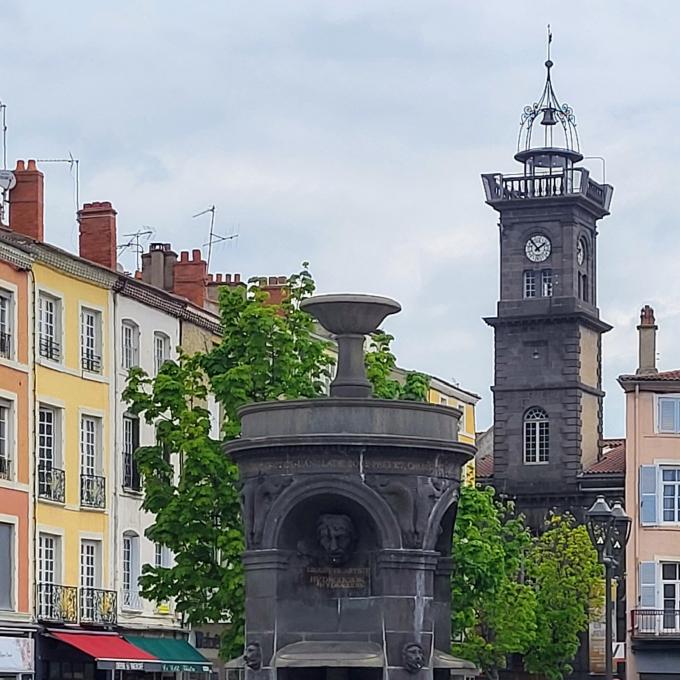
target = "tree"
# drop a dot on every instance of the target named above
(493, 610)
(381, 367)
(267, 351)
(567, 579)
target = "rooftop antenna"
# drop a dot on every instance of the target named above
(74, 167)
(549, 41)
(134, 242)
(213, 238)
(3, 122)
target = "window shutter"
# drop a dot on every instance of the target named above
(667, 414)
(648, 500)
(6, 573)
(647, 589)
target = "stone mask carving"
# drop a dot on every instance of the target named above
(413, 657)
(336, 535)
(253, 656)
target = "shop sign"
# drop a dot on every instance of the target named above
(188, 667)
(16, 655)
(129, 665)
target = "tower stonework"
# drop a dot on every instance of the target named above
(547, 328)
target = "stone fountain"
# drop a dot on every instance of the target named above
(349, 504)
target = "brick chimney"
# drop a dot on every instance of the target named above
(276, 287)
(158, 266)
(98, 233)
(27, 202)
(191, 277)
(647, 334)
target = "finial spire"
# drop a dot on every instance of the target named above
(549, 41)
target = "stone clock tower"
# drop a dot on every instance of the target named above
(547, 327)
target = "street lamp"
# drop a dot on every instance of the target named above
(609, 529)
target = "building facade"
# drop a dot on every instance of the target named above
(653, 501)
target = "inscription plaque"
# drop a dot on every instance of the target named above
(331, 578)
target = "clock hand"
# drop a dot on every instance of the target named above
(535, 246)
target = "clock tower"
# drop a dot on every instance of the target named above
(547, 328)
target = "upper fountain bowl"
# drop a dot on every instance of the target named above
(350, 314)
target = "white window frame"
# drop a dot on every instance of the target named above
(660, 494)
(90, 445)
(539, 456)
(162, 556)
(161, 350)
(50, 329)
(661, 597)
(49, 548)
(131, 563)
(8, 336)
(91, 359)
(129, 351)
(546, 282)
(675, 398)
(54, 459)
(90, 574)
(529, 284)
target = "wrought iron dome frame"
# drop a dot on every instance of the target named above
(553, 113)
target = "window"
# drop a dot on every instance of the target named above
(50, 476)
(670, 490)
(668, 410)
(670, 593)
(49, 326)
(91, 340)
(131, 478)
(48, 576)
(129, 344)
(5, 440)
(161, 555)
(92, 490)
(131, 599)
(529, 284)
(546, 283)
(161, 350)
(583, 287)
(6, 566)
(89, 578)
(6, 324)
(536, 436)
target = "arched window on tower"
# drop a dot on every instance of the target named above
(536, 436)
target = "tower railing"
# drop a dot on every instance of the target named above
(572, 181)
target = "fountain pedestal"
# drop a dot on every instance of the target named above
(349, 504)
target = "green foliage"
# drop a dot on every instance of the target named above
(493, 610)
(266, 352)
(380, 367)
(567, 578)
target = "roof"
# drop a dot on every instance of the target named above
(652, 377)
(613, 460)
(484, 467)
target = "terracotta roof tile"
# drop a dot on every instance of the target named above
(612, 462)
(662, 375)
(484, 467)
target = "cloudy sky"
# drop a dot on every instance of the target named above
(352, 133)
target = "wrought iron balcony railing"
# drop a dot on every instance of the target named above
(51, 483)
(98, 606)
(5, 467)
(5, 345)
(91, 362)
(131, 599)
(131, 477)
(498, 187)
(647, 623)
(92, 491)
(49, 348)
(57, 603)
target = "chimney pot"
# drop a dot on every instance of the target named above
(196, 255)
(237, 278)
(647, 342)
(21, 166)
(98, 239)
(218, 278)
(227, 278)
(184, 256)
(31, 165)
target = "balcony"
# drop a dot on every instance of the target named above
(5, 345)
(5, 467)
(51, 483)
(92, 491)
(57, 603)
(49, 348)
(132, 600)
(91, 362)
(98, 606)
(574, 181)
(655, 623)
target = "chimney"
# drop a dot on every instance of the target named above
(191, 277)
(98, 233)
(275, 286)
(158, 266)
(27, 202)
(647, 333)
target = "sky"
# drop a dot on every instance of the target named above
(352, 134)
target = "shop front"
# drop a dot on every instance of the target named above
(17, 657)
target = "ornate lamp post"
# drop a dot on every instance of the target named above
(609, 529)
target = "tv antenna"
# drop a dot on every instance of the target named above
(213, 238)
(145, 232)
(74, 168)
(3, 123)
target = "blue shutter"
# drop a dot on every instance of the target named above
(648, 500)
(647, 590)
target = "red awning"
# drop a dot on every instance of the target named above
(105, 647)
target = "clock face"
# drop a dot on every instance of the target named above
(538, 248)
(581, 251)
